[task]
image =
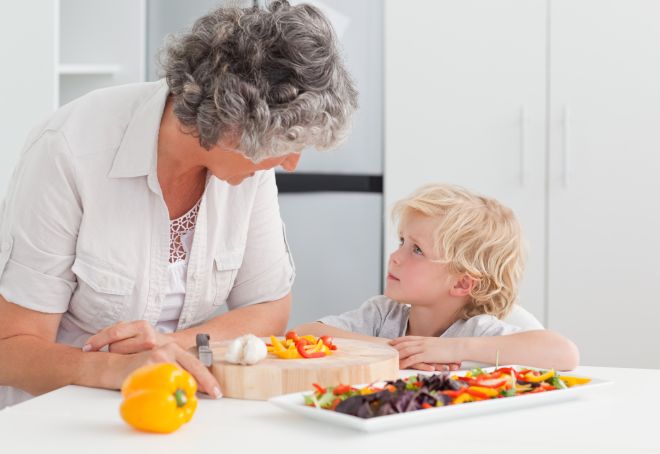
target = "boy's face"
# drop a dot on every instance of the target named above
(413, 275)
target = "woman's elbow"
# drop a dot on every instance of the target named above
(570, 355)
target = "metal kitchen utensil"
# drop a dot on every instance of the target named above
(204, 352)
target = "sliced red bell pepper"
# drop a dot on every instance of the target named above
(335, 402)
(292, 335)
(300, 346)
(302, 340)
(468, 380)
(341, 389)
(476, 393)
(493, 382)
(319, 388)
(453, 394)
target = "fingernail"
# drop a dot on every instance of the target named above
(87, 348)
(216, 393)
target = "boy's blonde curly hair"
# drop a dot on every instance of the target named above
(477, 236)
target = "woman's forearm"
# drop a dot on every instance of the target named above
(321, 329)
(39, 366)
(540, 348)
(262, 320)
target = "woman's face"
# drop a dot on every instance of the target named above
(233, 167)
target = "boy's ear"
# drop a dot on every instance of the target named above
(462, 286)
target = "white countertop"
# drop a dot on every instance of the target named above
(622, 418)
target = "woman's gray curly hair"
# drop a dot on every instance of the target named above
(273, 78)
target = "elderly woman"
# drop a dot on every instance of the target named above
(136, 212)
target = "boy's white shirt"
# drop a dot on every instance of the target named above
(381, 316)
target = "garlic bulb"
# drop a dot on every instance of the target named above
(248, 349)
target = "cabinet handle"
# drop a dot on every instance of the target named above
(522, 146)
(566, 148)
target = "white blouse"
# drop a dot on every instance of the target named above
(85, 232)
(182, 231)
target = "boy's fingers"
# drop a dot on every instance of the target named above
(414, 359)
(408, 351)
(407, 344)
(398, 340)
(422, 366)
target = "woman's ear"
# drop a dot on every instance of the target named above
(463, 286)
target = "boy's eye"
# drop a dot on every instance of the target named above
(417, 250)
(400, 241)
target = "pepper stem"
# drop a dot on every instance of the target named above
(180, 397)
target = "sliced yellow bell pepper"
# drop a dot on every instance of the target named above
(490, 392)
(277, 345)
(572, 381)
(158, 398)
(289, 353)
(288, 348)
(534, 379)
(465, 397)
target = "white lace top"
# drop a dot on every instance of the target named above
(182, 231)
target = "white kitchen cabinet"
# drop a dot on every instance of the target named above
(465, 104)
(27, 56)
(54, 51)
(603, 215)
(586, 74)
(101, 43)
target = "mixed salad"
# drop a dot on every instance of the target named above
(421, 392)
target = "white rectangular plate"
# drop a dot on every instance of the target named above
(296, 403)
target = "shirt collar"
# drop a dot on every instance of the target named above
(136, 155)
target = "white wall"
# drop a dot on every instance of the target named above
(27, 80)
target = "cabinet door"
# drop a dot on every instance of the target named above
(465, 94)
(604, 246)
(27, 78)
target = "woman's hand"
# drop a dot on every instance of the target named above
(427, 353)
(123, 365)
(127, 337)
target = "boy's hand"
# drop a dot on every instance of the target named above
(435, 367)
(425, 352)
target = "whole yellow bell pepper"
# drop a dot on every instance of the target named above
(158, 398)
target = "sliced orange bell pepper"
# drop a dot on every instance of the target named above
(572, 381)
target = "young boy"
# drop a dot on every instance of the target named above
(449, 284)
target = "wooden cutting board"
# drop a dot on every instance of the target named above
(353, 362)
